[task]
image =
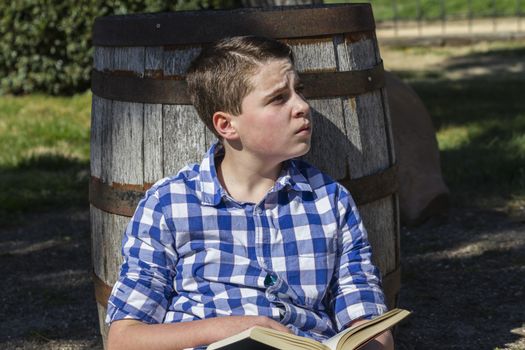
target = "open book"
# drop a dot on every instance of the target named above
(260, 338)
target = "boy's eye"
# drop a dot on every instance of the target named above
(277, 98)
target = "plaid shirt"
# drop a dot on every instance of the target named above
(300, 256)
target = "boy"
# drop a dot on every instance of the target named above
(251, 236)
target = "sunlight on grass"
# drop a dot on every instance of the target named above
(44, 153)
(474, 94)
(29, 125)
(453, 137)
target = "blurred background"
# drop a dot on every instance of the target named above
(463, 272)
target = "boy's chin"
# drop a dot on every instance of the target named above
(302, 150)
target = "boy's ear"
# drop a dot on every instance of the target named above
(222, 122)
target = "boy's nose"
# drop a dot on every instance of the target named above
(301, 107)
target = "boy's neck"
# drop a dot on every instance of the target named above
(245, 177)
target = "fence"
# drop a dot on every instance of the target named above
(448, 17)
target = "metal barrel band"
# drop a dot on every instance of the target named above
(372, 187)
(115, 199)
(122, 200)
(102, 290)
(185, 27)
(130, 88)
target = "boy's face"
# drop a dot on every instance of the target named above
(275, 123)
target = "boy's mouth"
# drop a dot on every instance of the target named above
(305, 128)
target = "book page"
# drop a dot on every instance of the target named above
(353, 337)
(266, 338)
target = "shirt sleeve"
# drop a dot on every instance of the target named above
(356, 287)
(145, 284)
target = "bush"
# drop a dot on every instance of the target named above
(45, 45)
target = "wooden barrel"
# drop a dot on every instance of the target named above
(144, 127)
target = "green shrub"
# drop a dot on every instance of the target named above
(45, 45)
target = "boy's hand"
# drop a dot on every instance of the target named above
(133, 334)
(383, 341)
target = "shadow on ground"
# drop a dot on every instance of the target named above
(47, 297)
(464, 282)
(40, 183)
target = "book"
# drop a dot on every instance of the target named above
(260, 338)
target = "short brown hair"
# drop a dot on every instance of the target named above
(219, 78)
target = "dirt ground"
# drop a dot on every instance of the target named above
(464, 281)
(462, 278)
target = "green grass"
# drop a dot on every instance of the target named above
(432, 9)
(480, 121)
(44, 153)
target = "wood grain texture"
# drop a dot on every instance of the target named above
(379, 222)
(129, 59)
(103, 58)
(126, 165)
(97, 106)
(106, 242)
(370, 150)
(177, 61)
(153, 59)
(313, 55)
(388, 121)
(126, 160)
(97, 242)
(209, 137)
(184, 140)
(100, 114)
(153, 143)
(153, 123)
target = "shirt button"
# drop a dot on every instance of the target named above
(270, 280)
(271, 297)
(258, 210)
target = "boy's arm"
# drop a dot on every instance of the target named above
(355, 288)
(145, 284)
(132, 334)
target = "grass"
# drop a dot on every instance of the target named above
(433, 10)
(44, 153)
(479, 115)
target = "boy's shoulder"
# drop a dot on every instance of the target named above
(185, 181)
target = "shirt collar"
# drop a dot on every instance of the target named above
(211, 191)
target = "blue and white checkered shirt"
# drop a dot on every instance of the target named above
(300, 256)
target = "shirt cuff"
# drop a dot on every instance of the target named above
(132, 300)
(351, 307)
